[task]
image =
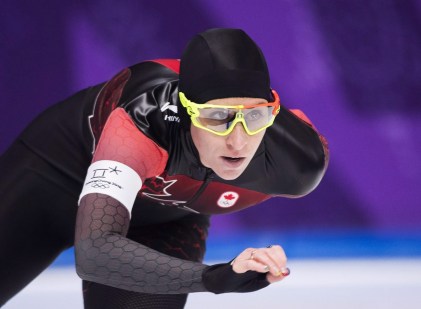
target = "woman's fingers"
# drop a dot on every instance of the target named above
(272, 279)
(271, 260)
(268, 259)
(241, 266)
(278, 256)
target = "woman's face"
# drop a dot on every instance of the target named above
(228, 156)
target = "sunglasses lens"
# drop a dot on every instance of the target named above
(216, 119)
(221, 119)
(258, 117)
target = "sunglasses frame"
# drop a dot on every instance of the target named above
(193, 111)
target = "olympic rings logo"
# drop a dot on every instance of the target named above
(100, 185)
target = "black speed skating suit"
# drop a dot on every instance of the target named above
(135, 119)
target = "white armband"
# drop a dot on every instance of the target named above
(114, 179)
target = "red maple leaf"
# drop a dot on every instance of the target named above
(229, 197)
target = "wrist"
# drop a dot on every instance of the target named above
(221, 278)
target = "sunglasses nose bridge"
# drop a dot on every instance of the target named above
(239, 114)
(240, 119)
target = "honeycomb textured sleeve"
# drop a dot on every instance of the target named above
(104, 255)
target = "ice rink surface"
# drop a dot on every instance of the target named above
(313, 283)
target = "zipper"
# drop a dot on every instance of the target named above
(210, 175)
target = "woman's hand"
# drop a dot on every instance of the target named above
(271, 260)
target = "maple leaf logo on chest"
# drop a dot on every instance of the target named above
(228, 199)
(157, 189)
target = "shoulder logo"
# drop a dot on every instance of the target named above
(228, 199)
(173, 108)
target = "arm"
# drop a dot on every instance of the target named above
(104, 255)
(123, 158)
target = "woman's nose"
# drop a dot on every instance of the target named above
(238, 138)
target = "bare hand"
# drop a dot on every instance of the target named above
(271, 260)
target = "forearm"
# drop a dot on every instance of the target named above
(125, 264)
(104, 255)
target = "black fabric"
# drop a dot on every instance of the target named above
(98, 296)
(220, 278)
(37, 215)
(221, 63)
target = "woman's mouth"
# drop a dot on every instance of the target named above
(233, 162)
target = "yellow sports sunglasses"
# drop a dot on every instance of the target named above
(221, 119)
